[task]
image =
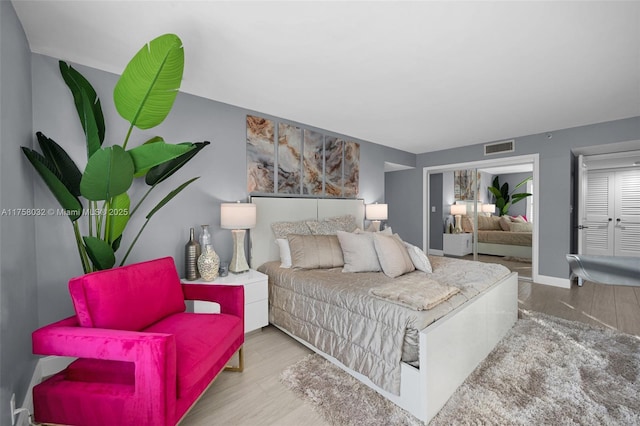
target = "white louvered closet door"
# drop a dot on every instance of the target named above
(612, 213)
(597, 237)
(627, 213)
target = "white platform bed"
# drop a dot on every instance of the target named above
(449, 349)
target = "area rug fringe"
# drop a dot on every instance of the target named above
(545, 371)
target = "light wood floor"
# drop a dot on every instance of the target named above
(256, 397)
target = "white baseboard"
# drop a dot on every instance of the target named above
(553, 281)
(436, 252)
(45, 367)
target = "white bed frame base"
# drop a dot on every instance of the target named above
(504, 250)
(450, 349)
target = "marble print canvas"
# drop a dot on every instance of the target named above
(313, 163)
(333, 154)
(351, 170)
(302, 162)
(289, 159)
(260, 155)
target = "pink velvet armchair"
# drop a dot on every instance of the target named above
(142, 360)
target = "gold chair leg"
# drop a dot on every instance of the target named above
(240, 366)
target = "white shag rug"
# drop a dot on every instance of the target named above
(546, 371)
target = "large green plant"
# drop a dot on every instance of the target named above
(143, 96)
(503, 198)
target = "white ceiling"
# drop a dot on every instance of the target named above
(419, 76)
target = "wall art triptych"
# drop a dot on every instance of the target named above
(302, 162)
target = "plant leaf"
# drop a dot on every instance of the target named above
(150, 155)
(169, 196)
(100, 253)
(154, 140)
(77, 83)
(505, 190)
(119, 210)
(519, 197)
(109, 172)
(149, 84)
(523, 182)
(495, 191)
(116, 244)
(163, 171)
(62, 163)
(89, 124)
(53, 180)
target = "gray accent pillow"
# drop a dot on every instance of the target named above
(359, 252)
(282, 229)
(392, 255)
(315, 251)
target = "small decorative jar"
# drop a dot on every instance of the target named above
(208, 263)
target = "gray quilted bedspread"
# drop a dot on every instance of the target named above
(335, 312)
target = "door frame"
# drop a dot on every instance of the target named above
(533, 159)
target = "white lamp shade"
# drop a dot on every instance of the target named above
(488, 208)
(237, 215)
(376, 211)
(458, 209)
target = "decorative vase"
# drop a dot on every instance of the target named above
(205, 237)
(208, 263)
(191, 254)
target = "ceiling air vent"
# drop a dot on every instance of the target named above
(500, 147)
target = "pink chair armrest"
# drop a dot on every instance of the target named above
(67, 338)
(230, 297)
(154, 355)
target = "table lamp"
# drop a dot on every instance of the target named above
(376, 213)
(458, 210)
(489, 208)
(238, 217)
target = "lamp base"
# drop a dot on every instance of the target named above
(458, 228)
(374, 226)
(238, 263)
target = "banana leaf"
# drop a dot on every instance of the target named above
(145, 92)
(150, 155)
(87, 105)
(100, 253)
(53, 180)
(120, 213)
(63, 164)
(109, 172)
(163, 171)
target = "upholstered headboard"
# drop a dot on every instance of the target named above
(277, 209)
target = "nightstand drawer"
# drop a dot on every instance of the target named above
(256, 291)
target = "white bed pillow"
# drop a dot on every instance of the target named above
(358, 252)
(392, 254)
(285, 252)
(419, 258)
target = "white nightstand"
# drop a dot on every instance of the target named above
(457, 244)
(256, 295)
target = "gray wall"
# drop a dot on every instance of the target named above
(18, 281)
(554, 186)
(221, 167)
(438, 208)
(398, 185)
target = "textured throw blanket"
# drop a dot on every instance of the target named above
(417, 295)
